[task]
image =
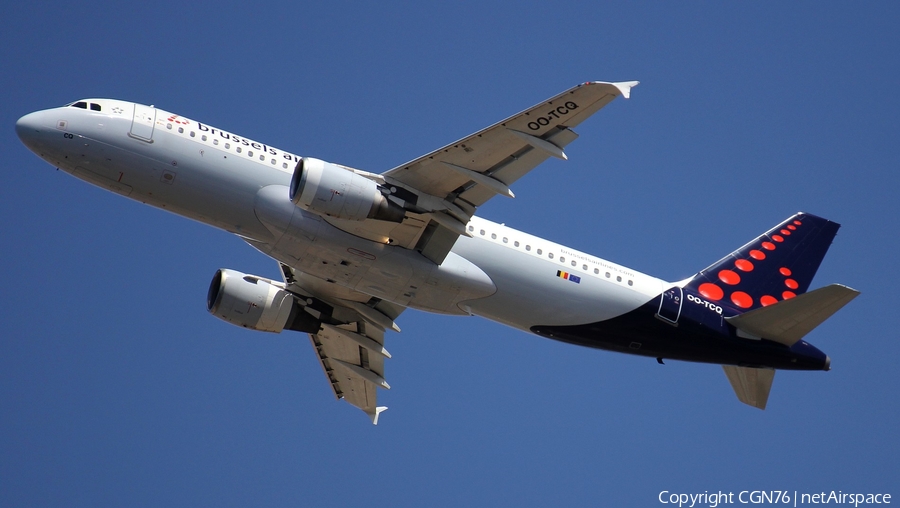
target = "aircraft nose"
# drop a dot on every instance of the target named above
(29, 127)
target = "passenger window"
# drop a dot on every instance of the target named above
(562, 259)
(528, 247)
(631, 283)
(505, 240)
(551, 255)
(181, 130)
(607, 275)
(227, 146)
(596, 271)
(618, 278)
(203, 137)
(284, 165)
(193, 135)
(584, 267)
(239, 150)
(249, 154)
(539, 252)
(493, 236)
(573, 262)
(471, 228)
(273, 162)
(215, 141)
(482, 232)
(169, 126)
(516, 243)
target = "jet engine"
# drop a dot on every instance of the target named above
(328, 189)
(247, 301)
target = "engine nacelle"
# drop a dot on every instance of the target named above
(328, 189)
(245, 301)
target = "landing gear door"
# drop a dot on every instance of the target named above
(670, 305)
(143, 123)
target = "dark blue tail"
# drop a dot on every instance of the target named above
(776, 266)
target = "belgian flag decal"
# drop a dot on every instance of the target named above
(568, 276)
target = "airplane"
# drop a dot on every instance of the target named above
(355, 249)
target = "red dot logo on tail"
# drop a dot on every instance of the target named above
(729, 277)
(744, 265)
(742, 299)
(711, 291)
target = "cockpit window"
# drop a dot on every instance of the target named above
(82, 105)
(95, 107)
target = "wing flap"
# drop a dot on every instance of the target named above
(790, 320)
(515, 166)
(354, 372)
(438, 242)
(350, 340)
(751, 385)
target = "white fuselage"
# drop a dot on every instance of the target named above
(230, 182)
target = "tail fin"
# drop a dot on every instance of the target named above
(776, 266)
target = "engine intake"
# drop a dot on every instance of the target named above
(245, 301)
(327, 189)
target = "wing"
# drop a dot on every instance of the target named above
(350, 341)
(441, 190)
(482, 165)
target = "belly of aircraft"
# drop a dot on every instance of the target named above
(641, 332)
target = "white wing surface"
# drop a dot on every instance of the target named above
(476, 168)
(442, 189)
(350, 343)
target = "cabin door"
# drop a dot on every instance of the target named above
(143, 122)
(670, 305)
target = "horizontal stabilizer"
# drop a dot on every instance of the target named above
(789, 320)
(751, 385)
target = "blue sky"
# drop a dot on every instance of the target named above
(117, 387)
